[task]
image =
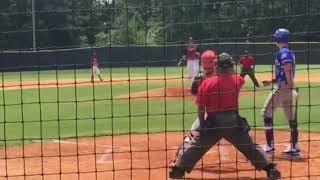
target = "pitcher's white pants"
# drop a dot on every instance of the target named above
(193, 70)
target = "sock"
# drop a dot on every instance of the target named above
(294, 137)
(268, 124)
(294, 133)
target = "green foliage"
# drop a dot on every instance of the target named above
(62, 23)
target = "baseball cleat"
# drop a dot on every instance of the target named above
(266, 148)
(176, 173)
(292, 152)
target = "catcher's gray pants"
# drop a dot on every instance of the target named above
(224, 125)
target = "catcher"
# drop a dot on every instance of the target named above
(218, 97)
(208, 61)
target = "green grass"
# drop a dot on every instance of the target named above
(86, 73)
(126, 72)
(51, 113)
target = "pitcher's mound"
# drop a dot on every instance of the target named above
(167, 92)
(163, 92)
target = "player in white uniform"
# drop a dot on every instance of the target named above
(191, 55)
(95, 67)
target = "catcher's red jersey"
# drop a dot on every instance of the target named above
(220, 93)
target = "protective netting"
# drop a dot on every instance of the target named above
(92, 90)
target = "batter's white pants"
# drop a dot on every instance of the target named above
(193, 70)
(283, 97)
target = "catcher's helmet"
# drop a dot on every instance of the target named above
(225, 61)
(281, 35)
(208, 59)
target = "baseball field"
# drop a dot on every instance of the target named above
(57, 124)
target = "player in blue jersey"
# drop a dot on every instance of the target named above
(283, 95)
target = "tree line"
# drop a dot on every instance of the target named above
(77, 23)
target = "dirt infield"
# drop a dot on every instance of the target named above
(31, 84)
(314, 78)
(167, 92)
(145, 157)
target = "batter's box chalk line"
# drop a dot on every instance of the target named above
(105, 157)
(106, 153)
(70, 142)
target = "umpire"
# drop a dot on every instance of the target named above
(218, 97)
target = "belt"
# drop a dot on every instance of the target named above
(213, 114)
(279, 83)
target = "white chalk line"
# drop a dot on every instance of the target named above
(224, 152)
(105, 156)
(89, 144)
(107, 152)
(83, 144)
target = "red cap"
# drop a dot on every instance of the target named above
(208, 59)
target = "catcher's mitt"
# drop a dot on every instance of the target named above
(195, 84)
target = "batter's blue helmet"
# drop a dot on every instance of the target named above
(281, 35)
